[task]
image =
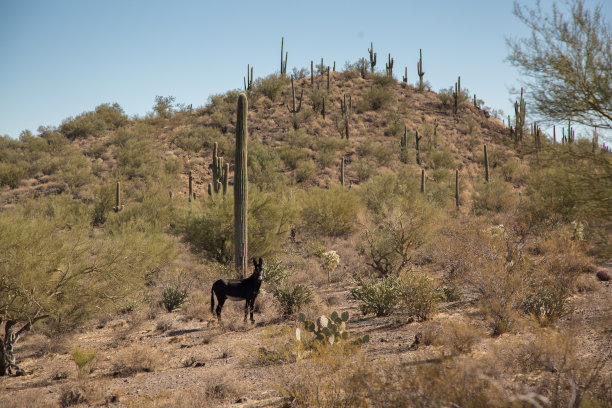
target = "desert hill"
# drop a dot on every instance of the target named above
(499, 301)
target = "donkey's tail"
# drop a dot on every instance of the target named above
(212, 300)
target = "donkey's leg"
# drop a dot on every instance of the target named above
(220, 302)
(252, 306)
(246, 308)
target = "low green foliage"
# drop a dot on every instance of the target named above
(173, 297)
(496, 197)
(378, 296)
(547, 304)
(292, 297)
(83, 358)
(330, 212)
(419, 294)
(271, 86)
(376, 98)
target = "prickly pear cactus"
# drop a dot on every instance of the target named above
(328, 331)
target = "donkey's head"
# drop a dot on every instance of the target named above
(258, 269)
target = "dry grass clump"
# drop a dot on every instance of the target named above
(136, 359)
(564, 378)
(343, 376)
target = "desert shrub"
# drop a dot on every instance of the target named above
(546, 303)
(316, 98)
(194, 139)
(84, 358)
(495, 196)
(392, 237)
(11, 174)
(82, 126)
(330, 212)
(113, 115)
(278, 346)
(305, 171)
(209, 227)
(446, 96)
(71, 396)
(510, 170)
(75, 171)
(458, 336)
(138, 153)
(330, 144)
(300, 73)
(274, 272)
(376, 98)
(383, 80)
(271, 86)
(496, 157)
(292, 155)
(488, 261)
(381, 152)
(354, 70)
(441, 159)
(263, 165)
(364, 169)
(164, 106)
(137, 359)
(173, 297)
(385, 189)
(378, 296)
(292, 298)
(419, 294)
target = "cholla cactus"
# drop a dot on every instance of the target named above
(330, 262)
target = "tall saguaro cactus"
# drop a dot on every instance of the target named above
(241, 189)
(283, 66)
(420, 70)
(486, 163)
(372, 57)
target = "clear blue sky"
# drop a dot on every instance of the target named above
(61, 58)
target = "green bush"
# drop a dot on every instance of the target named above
(381, 152)
(195, 139)
(209, 227)
(495, 197)
(83, 358)
(292, 298)
(87, 124)
(376, 98)
(292, 155)
(271, 86)
(263, 162)
(316, 97)
(330, 212)
(11, 174)
(305, 171)
(419, 294)
(173, 297)
(441, 159)
(138, 153)
(164, 106)
(377, 296)
(547, 304)
(394, 235)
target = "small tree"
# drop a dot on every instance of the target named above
(569, 62)
(164, 105)
(54, 268)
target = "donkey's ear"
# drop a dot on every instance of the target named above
(260, 262)
(254, 262)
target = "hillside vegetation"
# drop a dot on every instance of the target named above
(469, 261)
